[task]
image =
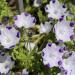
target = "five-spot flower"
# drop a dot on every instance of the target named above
(52, 55)
(9, 37)
(24, 20)
(55, 9)
(64, 30)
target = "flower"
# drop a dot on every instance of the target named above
(69, 65)
(30, 46)
(55, 9)
(24, 20)
(64, 30)
(6, 64)
(45, 28)
(9, 36)
(25, 72)
(52, 55)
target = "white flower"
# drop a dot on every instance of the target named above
(55, 9)
(30, 46)
(69, 65)
(25, 72)
(24, 20)
(52, 55)
(64, 30)
(6, 65)
(9, 37)
(45, 28)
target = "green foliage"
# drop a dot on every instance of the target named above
(4, 9)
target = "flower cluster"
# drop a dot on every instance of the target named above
(58, 56)
(25, 34)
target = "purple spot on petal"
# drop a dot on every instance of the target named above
(53, 1)
(61, 18)
(34, 20)
(64, 6)
(26, 14)
(50, 18)
(59, 62)
(60, 41)
(72, 37)
(49, 44)
(65, 72)
(64, 48)
(15, 17)
(60, 50)
(8, 27)
(48, 65)
(46, 8)
(70, 53)
(71, 24)
(12, 46)
(18, 34)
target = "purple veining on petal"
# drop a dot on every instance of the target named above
(18, 34)
(9, 27)
(71, 24)
(15, 18)
(72, 37)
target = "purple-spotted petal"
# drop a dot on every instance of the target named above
(15, 18)
(71, 24)
(8, 27)
(18, 34)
